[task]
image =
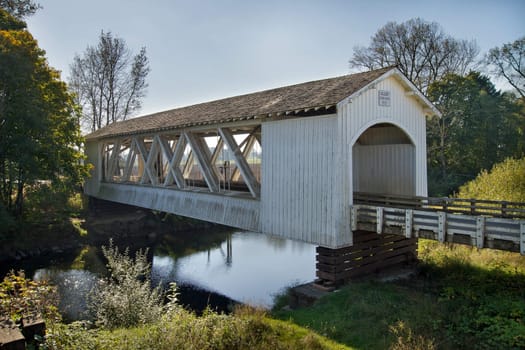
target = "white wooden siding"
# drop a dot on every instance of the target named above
(91, 184)
(298, 193)
(358, 113)
(384, 169)
(237, 212)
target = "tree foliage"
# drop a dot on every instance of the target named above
(19, 8)
(420, 49)
(504, 182)
(39, 135)
(509, 62)
(108, 81)
(480, 127)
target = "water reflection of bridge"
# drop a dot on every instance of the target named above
(291, 162)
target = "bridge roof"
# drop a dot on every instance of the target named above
(320, 94)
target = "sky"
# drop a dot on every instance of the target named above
(203, 50)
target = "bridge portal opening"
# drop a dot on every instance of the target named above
(384, 161)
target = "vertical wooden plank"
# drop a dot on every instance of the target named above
(442, 226)
(480, 231)
(409, 217)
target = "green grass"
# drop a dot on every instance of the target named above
(461, 298)
(184, 330)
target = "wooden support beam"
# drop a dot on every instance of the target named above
(152, 157)
(241, 162)
(130, 161)
(250, 142)
(188, 166)
(113, 163)
(203, 155)
(217, 151)
(174, 172)
(143, 152)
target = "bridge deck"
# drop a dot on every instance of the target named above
(491, 224)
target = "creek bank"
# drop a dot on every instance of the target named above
(100, 222)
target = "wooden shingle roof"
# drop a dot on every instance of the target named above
(315, 94)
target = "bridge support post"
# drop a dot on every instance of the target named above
(369, 254)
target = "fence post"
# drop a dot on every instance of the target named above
(379, 220)
(480, 231)
(522, 237)
(442, 226)
(409, 215)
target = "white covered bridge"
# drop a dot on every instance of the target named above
(299, 162)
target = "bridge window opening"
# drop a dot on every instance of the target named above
(384, 161)
(114, 156)
(188, 160)
(191, 170)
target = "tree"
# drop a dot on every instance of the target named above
(504, 182)
(109, 81)
(39, 137)
(19, 8)
(509, 62)
(420, 49)
(480, 127)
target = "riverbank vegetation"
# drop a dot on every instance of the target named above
(460, 298)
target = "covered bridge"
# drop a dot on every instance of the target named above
(284, 162)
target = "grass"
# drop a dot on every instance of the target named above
(461, 298)
(181, 329)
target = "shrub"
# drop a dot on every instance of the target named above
(21, 297)
(125, 298)
(504, 182)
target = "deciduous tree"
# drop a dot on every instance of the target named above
(39, 136)
(19, 8)
(480, 127)
(509, 62)
(108, 81)
(420, 49)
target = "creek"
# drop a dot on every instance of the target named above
(214, 268)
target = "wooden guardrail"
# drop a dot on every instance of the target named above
(490, 208)
(494, 226)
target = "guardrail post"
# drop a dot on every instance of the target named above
(442, 226)
(409, 215)
(480, 231)
(522, 238)
(354, 217)
(379, 220)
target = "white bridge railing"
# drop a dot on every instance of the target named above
(426, 222)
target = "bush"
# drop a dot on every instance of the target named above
(21, 297)
(125, 298)
(504, 182)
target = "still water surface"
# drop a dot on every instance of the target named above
(214, 268)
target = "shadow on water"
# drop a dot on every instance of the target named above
(214, 269)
